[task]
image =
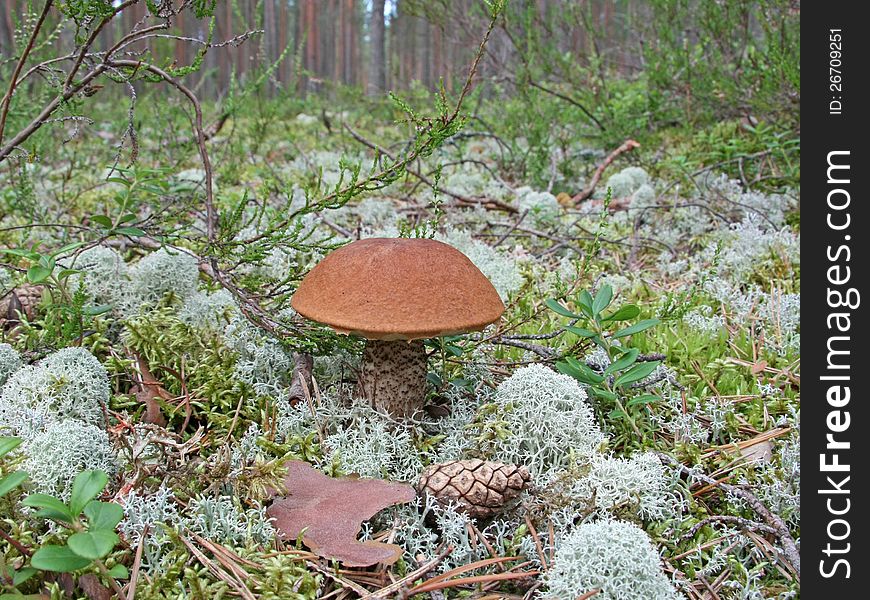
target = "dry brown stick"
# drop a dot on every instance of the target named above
(626, 146)
(209, 132)
(49, 109)
(412, 576)
(789, 546)
(300, 383)
(90, 40)
(229, 579)
(738, 521)
(7, 99)
(346, 583)
(137, 565)
(538, 547)
(24, 550)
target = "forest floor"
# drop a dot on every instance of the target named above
(646, 370)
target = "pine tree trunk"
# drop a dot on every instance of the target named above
(378, 67)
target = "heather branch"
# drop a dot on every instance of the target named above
(211, 215)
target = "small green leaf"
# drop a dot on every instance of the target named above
(11, 481)
(602, 299)
(103, 515)
(64, 273)
(131, 231)
(8, 444)
(67, 248)
(58, 558)
(100, 309)
(558, 308)
(585, 302)
(623, 362)
(119, 572)
(580, 331)
(48, 262)
(453, 349)
(92, 544)
(22, 575)
(151, 189)
(127, 218)
(579, 371)
(602, 393)
(21, 252)
(102, 220)
(86, 486)
(52, 507)
(636, 328)
(643, 400)
(38, 274)
(636, 373)
(625, 313)
(616, 414)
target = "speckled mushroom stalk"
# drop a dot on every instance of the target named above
(392, 376)
(396, 293)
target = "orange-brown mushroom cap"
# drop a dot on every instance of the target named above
(398, 289)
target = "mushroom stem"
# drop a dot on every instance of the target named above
(393, 376)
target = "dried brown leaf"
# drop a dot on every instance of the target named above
(93, 589)
(148, 391)
(328, 514)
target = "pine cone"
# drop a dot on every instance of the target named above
(479, 488)
(21, 300)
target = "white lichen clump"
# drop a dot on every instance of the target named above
(164, 271)
(149, 517)
(542, 207)
(639, 483)
(57, 408)
(261, 361)
(6, 281)
(222, 520)
(424, 527)
(10, 361)
(627, 181)
(370, 445)
(209, 311)
(546, 419)
(68, 384)
(702, 321)
(63, 450)
(104, 276)
(615, 557)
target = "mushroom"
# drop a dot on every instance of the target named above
(395, 293)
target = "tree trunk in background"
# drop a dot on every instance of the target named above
(346, 32)
(312, 39)
(284, 72)
(357, 21)
(352, 42)
(270, 24)
(377, 60)
(6, 29)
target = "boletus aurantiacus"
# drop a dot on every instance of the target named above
(396, 293)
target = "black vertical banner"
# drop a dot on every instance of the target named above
(835, 439)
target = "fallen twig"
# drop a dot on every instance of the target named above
(626, 146)
(777, 525)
